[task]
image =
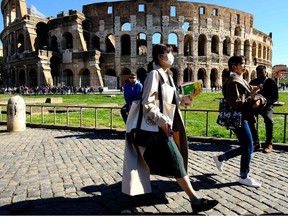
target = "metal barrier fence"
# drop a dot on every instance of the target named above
(198, 122)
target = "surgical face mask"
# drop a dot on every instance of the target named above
(170, 58)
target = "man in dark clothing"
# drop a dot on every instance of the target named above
(269, 90)
(132, 92)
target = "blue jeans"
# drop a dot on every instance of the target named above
(245, 150)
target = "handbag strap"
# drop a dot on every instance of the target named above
(141, 108)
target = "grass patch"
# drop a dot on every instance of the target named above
(195, 120)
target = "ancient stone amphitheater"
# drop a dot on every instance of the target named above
(102, 44)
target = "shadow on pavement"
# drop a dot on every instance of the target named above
(101, 199)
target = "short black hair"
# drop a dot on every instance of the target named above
(234, 60)
(260, 68)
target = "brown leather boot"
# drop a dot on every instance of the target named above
(268, 149)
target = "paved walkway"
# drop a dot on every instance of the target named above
(45, 171)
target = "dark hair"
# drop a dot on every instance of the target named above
(260, 68)
(235, 60)
(157, 50)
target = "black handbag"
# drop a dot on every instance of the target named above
(142, 137)
(228, 117)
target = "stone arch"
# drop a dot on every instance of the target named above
(85, 78)
(237, 31)
(227, 46)
(188, 75)
(264, 53)
(173, 39)
(247, 49)
(188, 45)
(126, 26)
(67, 41)
(110, 43)
(202, 45)
(125, 44)
(42, 35)
(33, 77)
(213, 78)
(21, 45)
(157, 38)
(68, 77)
(254, 49)
(201, 75)
(215, 44)
(96, 42)
(54, 43)
(141, 43)
(186, 26)
(86, 30)
(22, 76)
(259, 51)
(55, 65)
(237, 47)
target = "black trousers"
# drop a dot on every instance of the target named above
(267, 115)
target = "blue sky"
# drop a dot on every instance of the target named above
(269, 16)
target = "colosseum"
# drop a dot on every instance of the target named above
(99, 46)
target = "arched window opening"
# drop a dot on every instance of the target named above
(22, 78)
(54, 44)
(188, 45)
(125, 45)
(33, 78)
(126, 27)
(188, 75)
(237, 47)
(201, 76)
(237, 31)
(68, 77)
(173, 39)
(110, 43)
(247, 49)
(259, 51)
(67, 41)
(96, 43)
(226, 46)
(85, 78)
(141, 44)
(20, 45)
(186, 26)
(42, 35)
(157, 38)
(202, 43)
(55, 65)
(215, 45)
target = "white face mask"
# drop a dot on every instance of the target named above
(170, 58)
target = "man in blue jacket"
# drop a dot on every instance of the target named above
(132, 92)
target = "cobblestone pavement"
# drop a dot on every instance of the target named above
(46, 171)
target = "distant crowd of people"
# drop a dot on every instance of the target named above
(39, 90)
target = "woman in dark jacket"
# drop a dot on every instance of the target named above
(239, 95)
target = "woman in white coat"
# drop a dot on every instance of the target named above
(162, 158)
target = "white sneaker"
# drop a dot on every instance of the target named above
(219, 164)
(249, 182)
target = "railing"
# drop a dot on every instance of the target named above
(198, 122)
